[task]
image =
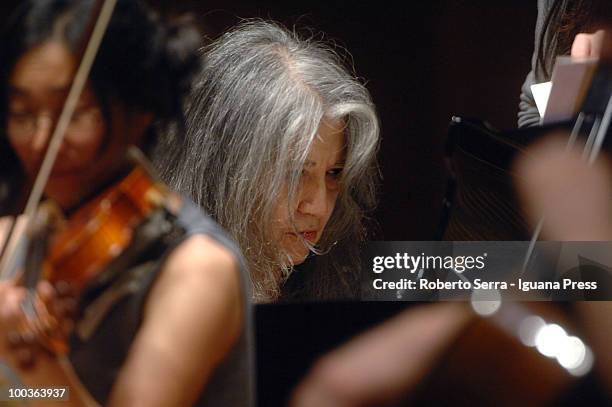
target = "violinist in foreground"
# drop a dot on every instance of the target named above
(576, 198)
(161, 322)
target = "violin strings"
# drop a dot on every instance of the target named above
(571, 142)
(601, 134)
(591, 151)
(588, 146)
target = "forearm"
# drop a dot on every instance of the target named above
(385, 363)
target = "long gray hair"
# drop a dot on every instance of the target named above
(253, 115)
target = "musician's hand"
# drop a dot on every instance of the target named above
(61, 302)
(20, 338)
(13, 337)
(588, 45)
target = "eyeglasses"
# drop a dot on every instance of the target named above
(85, 120)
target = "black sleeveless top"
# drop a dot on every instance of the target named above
(112, 311)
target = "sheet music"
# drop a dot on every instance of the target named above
(567, 90)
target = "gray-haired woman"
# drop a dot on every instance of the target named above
(280, 149)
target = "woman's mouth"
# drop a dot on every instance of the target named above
(310, 235)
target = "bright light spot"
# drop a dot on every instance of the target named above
(549, 339)
(585, 366)
(486, 302)
(571, 353)
(528, 329)
(552, 341)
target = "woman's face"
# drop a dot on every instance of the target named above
(38, 87)
(316, 196)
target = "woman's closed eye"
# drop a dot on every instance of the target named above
(335, 172)
(334, 175)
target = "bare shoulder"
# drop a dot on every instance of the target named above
(192, 317)
(197, 266)
(203, 250)
(199, 282)
(204, 257)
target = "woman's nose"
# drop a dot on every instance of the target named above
(42, 133)
(313, 198)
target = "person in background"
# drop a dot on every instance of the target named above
(563, 27)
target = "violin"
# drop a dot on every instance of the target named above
(86, 249)
(102, 229)
(89, 247)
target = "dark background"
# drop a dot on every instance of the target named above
(423, 62)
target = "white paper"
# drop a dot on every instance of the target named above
(541, 92)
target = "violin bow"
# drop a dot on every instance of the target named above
(106, 8)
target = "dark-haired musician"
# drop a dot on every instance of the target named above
(169, 330)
